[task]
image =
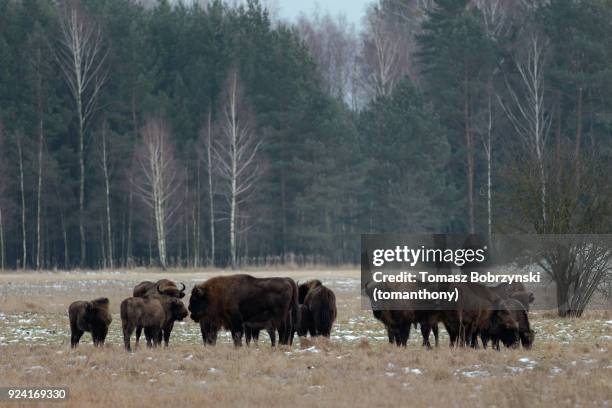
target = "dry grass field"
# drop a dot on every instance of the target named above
(570, 364)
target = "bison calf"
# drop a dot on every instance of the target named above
(93, 317)
(147, 313)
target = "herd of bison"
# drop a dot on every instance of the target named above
(245, 305)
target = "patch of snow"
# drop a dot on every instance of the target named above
(475, 374)
(189, 357)
(414, 371)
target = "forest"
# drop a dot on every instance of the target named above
(137, 133)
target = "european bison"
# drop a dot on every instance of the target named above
(231, 302)
(173, 307)
(147, 313)
(511, 338)
(165, 286)
(479, 311)
(320, 312)
(89, 316)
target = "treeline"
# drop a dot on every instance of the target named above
(143, 133)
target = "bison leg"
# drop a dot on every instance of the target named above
(98, 336)
(272, 334)
(127, 333)
(434, 328)
(138, 333)
(148, 336)
(167, 331)
(247, 336)
(255, 335)
(75, 336)
(236, 331)
(425, 331)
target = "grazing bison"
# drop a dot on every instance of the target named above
(320, 312)
(238, 301)
(147, 313)
(511, 338)
(479, 310)
(165, 286)
(89, 316)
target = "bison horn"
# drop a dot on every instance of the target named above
(159, 291)
(184, 287)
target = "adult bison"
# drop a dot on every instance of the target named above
(89, 316)
(479, 311)
(235, 301)
(510, 338)
(320, 311)
(163, 286)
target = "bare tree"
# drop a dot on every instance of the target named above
(206, 142)
(384, 52)
(495, 23)
(81, 55)
(159, 181)
(236, 152)
(105, 165)
(24, 246)
(528, 111)
(333, 44)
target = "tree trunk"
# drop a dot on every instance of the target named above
(82, 185)
(107, 196)
(41, 141)
(211, 197)
(469, 150)
(23, 209)
(128, 250)
(578, 133)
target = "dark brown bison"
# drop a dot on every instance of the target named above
(480, 310)
(89, 316)
(510, 338)
(165, 286)
(286, 332)
(320, 312)
(147, 313)
(231, 302)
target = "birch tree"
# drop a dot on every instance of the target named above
(206, 142)
(24, 242)
(236, 153)
(527, 109)
(384, 52)
(81, 55)
(494, 19)
(104, 159)
(159, 181)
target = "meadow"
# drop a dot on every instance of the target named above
(569, 365)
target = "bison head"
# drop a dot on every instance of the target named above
(198, 303)
(179, 312)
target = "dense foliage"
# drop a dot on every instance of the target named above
(330, 169)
